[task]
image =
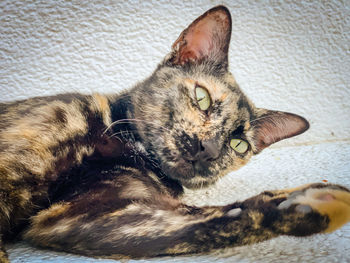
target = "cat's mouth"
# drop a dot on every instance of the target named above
(191, 174)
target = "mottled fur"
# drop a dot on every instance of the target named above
(100, 175)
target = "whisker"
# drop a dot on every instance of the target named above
(261, 118)
(115, 136)
(125, 121)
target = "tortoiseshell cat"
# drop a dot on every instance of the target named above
(109, 169)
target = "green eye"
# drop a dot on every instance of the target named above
(239, 145)
(203, 98)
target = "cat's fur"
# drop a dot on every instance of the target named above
(100, 175)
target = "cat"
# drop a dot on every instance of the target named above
(101, 175)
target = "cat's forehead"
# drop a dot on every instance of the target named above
(229, 106)
(219, 89)
(227, 100)
(222, 90)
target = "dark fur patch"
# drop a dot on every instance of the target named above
(60, 115)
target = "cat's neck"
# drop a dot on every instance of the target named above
(133, 151)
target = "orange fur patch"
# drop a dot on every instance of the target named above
(101, 102)
(337, 208)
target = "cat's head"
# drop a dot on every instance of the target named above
(192, 115)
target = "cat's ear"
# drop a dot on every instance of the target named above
(207, 37)
(272, 126)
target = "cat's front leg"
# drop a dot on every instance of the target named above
(3, 254)
(161, 225)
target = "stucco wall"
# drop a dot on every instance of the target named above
(286, 55)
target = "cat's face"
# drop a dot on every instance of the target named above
(189, 120)
(193, 116)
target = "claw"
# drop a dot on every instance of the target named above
(285, 204)
(303, 209)
(234, 212)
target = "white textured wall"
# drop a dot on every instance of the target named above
(287, 55)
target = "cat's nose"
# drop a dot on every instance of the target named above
(209, 150)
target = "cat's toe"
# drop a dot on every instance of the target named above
(331, 201)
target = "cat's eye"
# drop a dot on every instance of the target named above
(239, 145)
(203, 98)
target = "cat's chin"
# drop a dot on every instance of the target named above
(189, 176)
(198, 182)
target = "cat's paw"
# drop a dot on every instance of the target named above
(327, 201)
(301, 211)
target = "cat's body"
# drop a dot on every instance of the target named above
(110, 168)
